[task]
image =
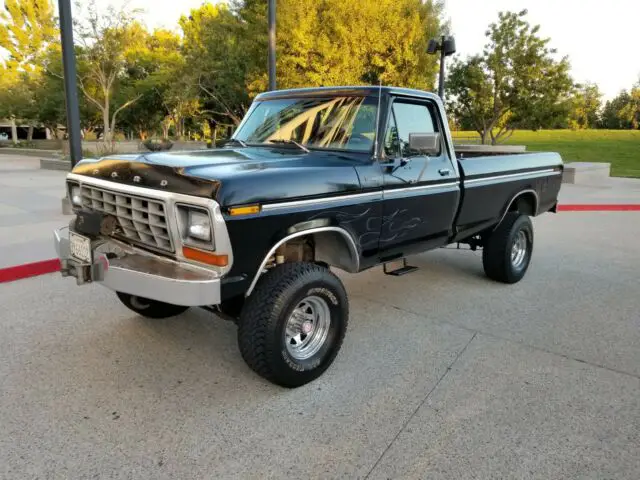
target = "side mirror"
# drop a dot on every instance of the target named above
(425, 143)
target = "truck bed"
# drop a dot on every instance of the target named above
(491, 182)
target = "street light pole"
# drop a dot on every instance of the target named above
(272, 44)
(70, 86)
(446, 46)
(441, 76)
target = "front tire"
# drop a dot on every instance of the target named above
(293, 324)
(150, 308)
(507, 251)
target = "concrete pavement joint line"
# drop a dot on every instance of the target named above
(498, 337)
(424, 400)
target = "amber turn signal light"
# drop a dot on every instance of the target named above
(244, 210)
(205, 257)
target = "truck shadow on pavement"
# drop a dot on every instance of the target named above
(193, 348)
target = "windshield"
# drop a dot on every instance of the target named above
(345, 123)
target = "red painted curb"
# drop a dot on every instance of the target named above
(19, 272)
(619, 207)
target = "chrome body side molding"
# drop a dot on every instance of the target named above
(354, 256)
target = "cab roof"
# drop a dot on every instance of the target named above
(355, 90)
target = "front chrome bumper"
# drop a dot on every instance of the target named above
(141, 274)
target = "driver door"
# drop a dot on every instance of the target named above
(421, 193)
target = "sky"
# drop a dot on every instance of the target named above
(599, 37)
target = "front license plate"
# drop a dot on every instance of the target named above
(80, 247)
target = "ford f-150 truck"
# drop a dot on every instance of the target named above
(312, 179)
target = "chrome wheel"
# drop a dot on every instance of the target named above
(519, 249)
(307, 327)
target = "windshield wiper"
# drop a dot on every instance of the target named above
(290, 142)
(236, 140)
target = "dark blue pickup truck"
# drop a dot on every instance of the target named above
(312, 179)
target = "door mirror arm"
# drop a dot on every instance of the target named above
(395, 163)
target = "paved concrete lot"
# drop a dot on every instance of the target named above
(29, 210)
(443, 374)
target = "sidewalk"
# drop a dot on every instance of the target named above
(612, 191)
(30, 206)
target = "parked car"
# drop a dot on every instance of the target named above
(313, 179)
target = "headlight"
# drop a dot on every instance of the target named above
(199, 225)
(76, 197)
(195, 227)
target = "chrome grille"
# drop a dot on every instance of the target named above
(140, 219)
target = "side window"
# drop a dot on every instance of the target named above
(407, 118)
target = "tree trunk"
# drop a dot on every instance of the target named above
(30, 133)
(14, 131)
(214, 131)
(483, 137)
(165, 130)
(106, 134)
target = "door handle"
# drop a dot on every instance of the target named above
(444, 172)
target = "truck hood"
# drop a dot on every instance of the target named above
(233, 176)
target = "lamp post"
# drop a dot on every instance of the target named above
(272, 44)
(70, 86)
(446, 46)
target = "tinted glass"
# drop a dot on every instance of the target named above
(335, 123)
(408, 118)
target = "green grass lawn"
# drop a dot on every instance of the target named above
(621, 148)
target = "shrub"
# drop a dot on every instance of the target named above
(104, 149)
(157, 146)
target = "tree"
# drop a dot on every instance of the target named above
(623, 111)
(105, 39)
(319, 43)
(27, 27)
(218, 50)
(630, 113)
(585, 107)
(324, 43)
(15, 101)
(49, 95)
(611, 113)
(514, 83)
(154, 66)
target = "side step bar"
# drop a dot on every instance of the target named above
(403, 270)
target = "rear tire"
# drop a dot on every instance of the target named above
(293, 324)
(507, 251)
(150, 308)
